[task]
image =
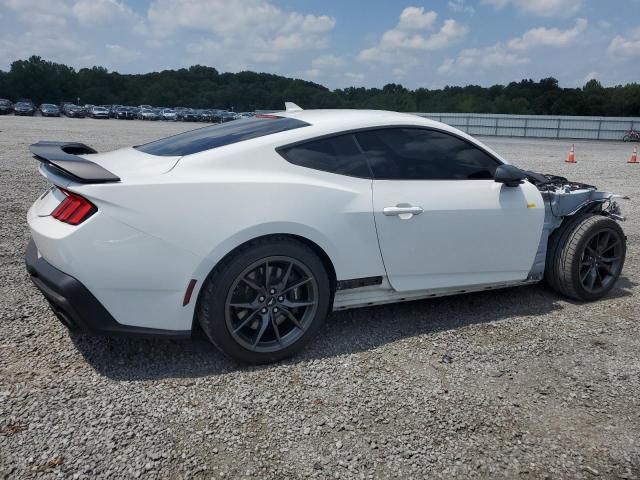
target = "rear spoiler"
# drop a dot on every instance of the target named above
(63, 157)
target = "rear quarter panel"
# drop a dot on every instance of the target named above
(212, 202)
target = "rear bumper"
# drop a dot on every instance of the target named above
(77, 308)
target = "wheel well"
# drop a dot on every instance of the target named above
(326, 261)
(317, 249)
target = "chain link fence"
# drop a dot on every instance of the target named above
(539, 126)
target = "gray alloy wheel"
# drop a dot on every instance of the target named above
(265, 300)
(585, 257)
(271, 304)
(601, 261)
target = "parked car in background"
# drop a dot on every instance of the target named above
(99, 112)
(6, 106)
(74, 111)
(216, 116)
(123, 113)
(190, 115)
(228, 117)
(24, 107)
(169, 114)
(205, 115)
(63, 107)
(180, 112)
(49, 110)
(147, 114)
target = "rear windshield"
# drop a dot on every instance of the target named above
(206, 138)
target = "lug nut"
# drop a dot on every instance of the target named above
(275, 309)
(272, 291)
(261, 299)
(280, 298)
(264, 310)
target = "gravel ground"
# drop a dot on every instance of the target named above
(517, 383)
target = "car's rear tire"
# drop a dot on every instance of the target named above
(265, 301)
(585, 257)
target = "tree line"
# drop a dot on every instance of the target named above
(200, 86)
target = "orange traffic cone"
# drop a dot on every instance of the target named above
(572, 156)
(634, 156)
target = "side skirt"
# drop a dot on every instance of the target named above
(382, 294)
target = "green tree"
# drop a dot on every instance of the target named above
(203, 86)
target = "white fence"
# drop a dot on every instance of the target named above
(539, 126)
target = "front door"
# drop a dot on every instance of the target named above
(442, 221)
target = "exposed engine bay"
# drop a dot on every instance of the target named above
(566, 197)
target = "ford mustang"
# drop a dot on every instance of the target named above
(256, 229)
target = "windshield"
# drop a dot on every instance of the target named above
(215, 136)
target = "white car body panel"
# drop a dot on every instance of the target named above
(459, 239)
(172, 219)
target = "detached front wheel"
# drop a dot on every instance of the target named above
(266, 301)
(585, 257)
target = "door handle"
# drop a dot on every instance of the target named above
(404, 211)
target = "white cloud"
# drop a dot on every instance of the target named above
(626, 47)
(328, 61)
(119, 55)
(542, 8)
(239, 32)
(99, 12)
(53, 13)
(330, 69)
(590, 76)
(548, 37)
(450, 32)
(495, 56)
(415, 18)
(355, 77)
(37, 13)
(49, 44)
(513, 52)
(231, 19)
(410, 37)
(459, 6)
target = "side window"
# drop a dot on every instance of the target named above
(420, 154)
(338, 154)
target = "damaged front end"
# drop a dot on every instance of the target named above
(564, 198)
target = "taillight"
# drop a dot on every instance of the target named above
(74, 209)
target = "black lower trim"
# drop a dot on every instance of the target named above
(77, 308)
(358, 283)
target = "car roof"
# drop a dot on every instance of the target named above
(344, 119)
(329, 121)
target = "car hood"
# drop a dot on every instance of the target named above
(129, 163)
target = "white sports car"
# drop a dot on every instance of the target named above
(257, 229)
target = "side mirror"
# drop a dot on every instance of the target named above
(510, 175)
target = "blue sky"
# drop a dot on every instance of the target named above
(338, 43)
